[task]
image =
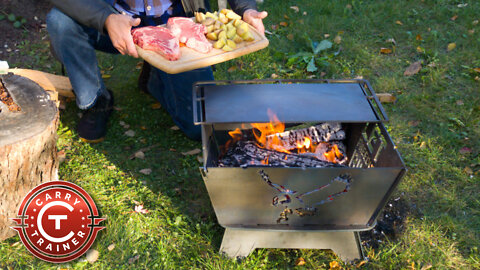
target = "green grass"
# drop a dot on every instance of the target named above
(436, 115)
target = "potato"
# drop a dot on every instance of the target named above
(248, 36)
(227, 48)
(208, 21)
(222, 35)
(210, 28)
(224, 11)
(237, 38)
(231, 33)
(217, 25)
(242, 29)
(237, 22)
(222, 18)
(199, 17)
(212, 36)
(211, 15)
(232, 15)
(231, 44)
(219, 44)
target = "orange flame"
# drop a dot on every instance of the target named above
(333, 153)
(266, 129)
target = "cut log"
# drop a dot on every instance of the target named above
(325, 132)
(28, 153)
(247, 153)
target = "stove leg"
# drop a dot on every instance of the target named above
(241, 242)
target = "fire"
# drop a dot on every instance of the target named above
(333, 154)
(272, 128)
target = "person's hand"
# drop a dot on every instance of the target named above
(119, 29)
(254, 18)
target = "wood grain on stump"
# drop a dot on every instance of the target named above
(28, 153)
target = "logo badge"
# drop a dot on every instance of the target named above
(58, 221)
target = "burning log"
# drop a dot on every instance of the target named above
(325, 132)
(247, 153)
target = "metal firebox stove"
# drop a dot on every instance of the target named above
(313, 207)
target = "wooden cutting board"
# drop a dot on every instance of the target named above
(191, 59)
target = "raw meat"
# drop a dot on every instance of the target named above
(190, 33)
(158, 39)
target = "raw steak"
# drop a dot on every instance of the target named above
(190, 33)
(158, 39)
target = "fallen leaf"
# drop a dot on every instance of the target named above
(360, 264)
(92, 255)
(418, 37)
(337, 39)
(143, 127)
(175, 128)
(423, 145)
(426, 267)
(385, 50)
(284, 24)
(121, 123)
(286, 17)
(477, 78)
(451, 46)
(386, 98)
(146, 171)
(468, 170)
(300, 261)
(156, 106)
(476, 70)
(326, 35)
(126, 126)
(130, 133)
(172, 150)
(192, 152)
(459, 102)
(133, 259)
(414, 123)
(475, 22)
(413, 69)
(61, 156)
(420, 49)
(471, 31)
(111, 247)
(334, 265)
(462, 5)
(399, 22)
(139, 154)
(140, 209)
(304, 13)
(111, 167)
(106, 76)
(139, 65)
(274, 26)
(232, 68)
(290, 37)
(295, 8)
(454, 17)
(274, 76)
(465, 150)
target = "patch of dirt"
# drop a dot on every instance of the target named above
(390, 223)
(19, 46)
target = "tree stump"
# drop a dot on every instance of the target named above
(28, 137)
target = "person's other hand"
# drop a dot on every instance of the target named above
(254, 18)
(119, 29)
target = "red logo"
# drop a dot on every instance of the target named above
(58, 221)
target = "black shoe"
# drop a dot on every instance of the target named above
(92, 127)
(143, 78)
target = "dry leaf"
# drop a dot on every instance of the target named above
(391, 40)
(475, 22)
(300, 261)
(418, 37)
(130, 133)
(414, 123)
(426, 267)
(337, 39)
(140, 209)
(322, 74)
(192, 152)
(111, 167)
(399, 22)
(111, 247)
(286, 17)
(172, 150)
(290, 37)
(175, 128)
(143, 127)
(413, 69)
(462, 5)
(459, 102)
(334, 265)
(385, 50)
(295, 8)
(423, 145)
(454, 17)
(232, 68)
(274, 26)
(92, 255)
(476, 70)
(156, 106)
(146, 171)
(471, 31)
(360, 264)
(386, 98)
(133, 259)
(465, 150)
(117, 108)
(420, 49)
(451, 46)
(304, 13)
(139, 154)
(61, 156)
(477, 78)
(139, 65)
(274, 76)
(326, 35)
(284, 24)
(468, 170)
(106, 76)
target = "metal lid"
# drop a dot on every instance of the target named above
(292, 101)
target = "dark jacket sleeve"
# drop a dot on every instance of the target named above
(91, 13)
(239, 6)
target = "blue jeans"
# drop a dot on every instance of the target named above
(75, 45)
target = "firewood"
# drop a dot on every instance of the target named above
(47, 81)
